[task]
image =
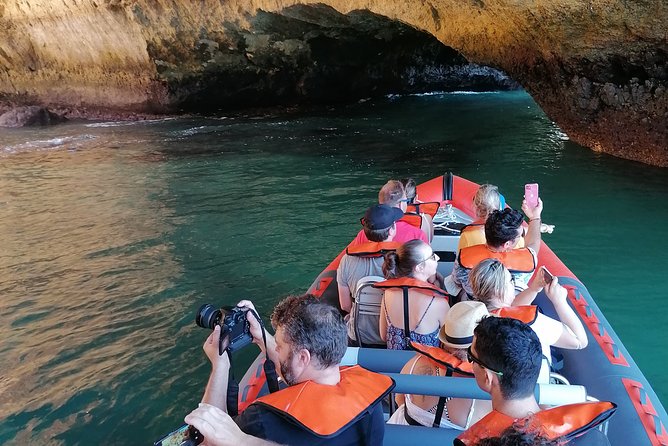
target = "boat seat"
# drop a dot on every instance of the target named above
(390, 362)
(400, 435)
(366, 311)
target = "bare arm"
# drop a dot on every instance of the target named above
(345, 298)
(533, 237)
(527, 296)
(576, 338)
(215, 393)
(219, 429)
(428, 227)
(382, 321)
(345, 293)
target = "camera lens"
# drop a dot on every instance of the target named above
(207, 316)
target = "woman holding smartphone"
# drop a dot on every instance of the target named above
(492, 284)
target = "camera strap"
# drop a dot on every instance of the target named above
(269, 372)
(232, 390)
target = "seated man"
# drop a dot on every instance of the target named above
(506, 356)
(366, 259)
(323, 404)
(502, 231)
(393, 194)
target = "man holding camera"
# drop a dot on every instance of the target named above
(323, 404)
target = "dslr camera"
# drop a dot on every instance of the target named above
(233, 325)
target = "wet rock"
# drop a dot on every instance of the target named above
(315, 54)
(167, 56)
(29, 116)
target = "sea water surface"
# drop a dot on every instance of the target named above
(113, 234)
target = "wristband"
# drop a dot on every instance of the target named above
(535, 218)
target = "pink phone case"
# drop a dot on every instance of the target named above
(531, 194)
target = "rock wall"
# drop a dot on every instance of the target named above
(599, 68)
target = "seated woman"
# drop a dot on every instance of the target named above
(408, 270)
(487, 199)
(492, 284)
(456, 336)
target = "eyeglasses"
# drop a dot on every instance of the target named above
(433, 256)
(472, 358)
(405, 200)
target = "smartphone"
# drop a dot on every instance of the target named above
(183, 436)
(531, 194)
(547, 276)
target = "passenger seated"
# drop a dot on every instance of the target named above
(503, 229)
(366, 259)
(411, 195)
(409, 269)
(486, 200)
(393, 194)
(492, 284)
(455, 336)
(506, 356)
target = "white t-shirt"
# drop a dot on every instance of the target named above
(549, 331)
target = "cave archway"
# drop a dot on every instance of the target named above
(598, 68)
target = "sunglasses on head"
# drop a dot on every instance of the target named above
(472, 358)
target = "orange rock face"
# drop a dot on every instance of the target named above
(599, 68)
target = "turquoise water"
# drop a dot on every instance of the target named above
(113, 234)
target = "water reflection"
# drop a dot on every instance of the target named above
(83, 251)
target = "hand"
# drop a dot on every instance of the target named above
(555, 292)
(537, 282)
(218, 428)
(255, 328)
(211, 348)
(532, 213)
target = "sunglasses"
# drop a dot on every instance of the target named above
(472, 358)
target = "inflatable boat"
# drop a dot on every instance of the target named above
(603, 371)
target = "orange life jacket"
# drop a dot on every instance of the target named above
(372, 249)
(414, 284)
(473, 226)
(516, 260)
(326, 410)
(412, 219)
(562, 422)
(440, 357)
(524, 313)
(429, 207)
